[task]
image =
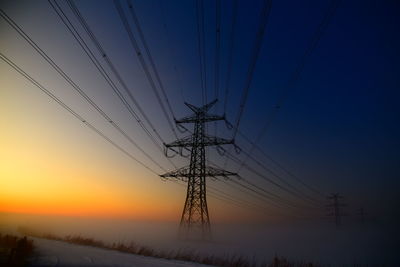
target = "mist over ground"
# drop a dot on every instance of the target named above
(317, 242)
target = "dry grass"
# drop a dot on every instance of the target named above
(15, 251)
(181, 255)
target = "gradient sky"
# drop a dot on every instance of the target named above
(338, 130)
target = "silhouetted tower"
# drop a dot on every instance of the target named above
(335, 197)
(361, 215)
(195, 211)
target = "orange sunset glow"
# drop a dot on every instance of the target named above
(40, 175)
(199, 132)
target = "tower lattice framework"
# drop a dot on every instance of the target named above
(195, 216)
(336, 206)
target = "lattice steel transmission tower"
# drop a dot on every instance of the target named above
(361, 215)
(195, 217)
(336, 205)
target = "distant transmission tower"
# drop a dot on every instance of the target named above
(195, 215)
(361, 215)
(337, 214)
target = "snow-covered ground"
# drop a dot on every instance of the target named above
(373, 243)
(57, 253)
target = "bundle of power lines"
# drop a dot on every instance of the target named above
(310, 197)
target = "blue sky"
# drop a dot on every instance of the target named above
(337, 129)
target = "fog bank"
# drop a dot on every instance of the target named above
(318, 242)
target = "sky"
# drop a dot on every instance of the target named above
(337, 129)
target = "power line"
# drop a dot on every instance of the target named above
(266, 178)
(230, 53)
(296, 193)
(242, 189)
(73, 84)
(253, 60)
(172, 51)
(265, 193)
(152, 64)
(217, 54)
(293, 191)
(235, 197)
(249, 191)
(201, 48)
(232, 198)
(76, 115)
(223, 196)
(227, 200)
(93, 128)
(274, 198)
(294, 78)
(143, 63)
(202, 53)
(103, 54)
(289, 173)
(296, 74)
(112, 67)
(266, 9)
(280, 178)
(165, 96)
(64, 18)
(67, 108)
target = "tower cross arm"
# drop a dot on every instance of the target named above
(182, 142)
(215, 140)
(184, 173)
(205, 118)
(207, 141)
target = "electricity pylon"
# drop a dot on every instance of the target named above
(195, 215)
(361, 215)
(336, 208)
